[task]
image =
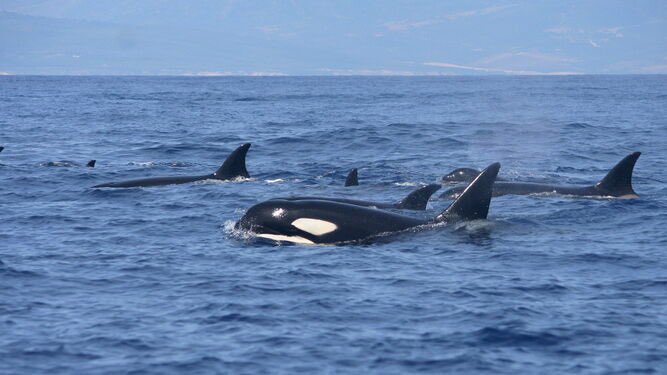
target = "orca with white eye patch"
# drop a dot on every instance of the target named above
(328, 222)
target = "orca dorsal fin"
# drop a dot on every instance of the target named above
(473, 203)
(352, 178)
(234, 165)
(91, 163)
(618, 181)
(1, 148)
(418, 199)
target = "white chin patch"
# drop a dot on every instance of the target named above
(314, 226)
(280, 237)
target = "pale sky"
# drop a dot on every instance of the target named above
(356, 37)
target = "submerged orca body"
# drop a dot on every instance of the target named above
(617, 183)
(462, 175)
(416, 200)
(66, 163)
(233, 167)
(352, 178)
(328, 222)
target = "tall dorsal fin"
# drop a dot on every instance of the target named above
(234, 165)
(473, 203)
(352, 178)
(418, 199)
(618, 181)
(91, 163)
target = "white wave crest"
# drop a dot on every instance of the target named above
(229, 228)
(213, 181)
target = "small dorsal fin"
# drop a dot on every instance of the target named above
(234, 165)
(618, 181)
(352, 178)
(418, 199)
(473, 203)
(91, 163)
(1, 148)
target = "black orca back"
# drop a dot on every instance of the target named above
(416, 200)
(234, 166)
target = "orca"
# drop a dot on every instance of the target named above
(233, 167)
(416, 200)
(91, 163)
(617, 183)
(1, 148)
(463, 175)
(352, 178)
(328, 222)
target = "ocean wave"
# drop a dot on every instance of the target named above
(59, 163)
(250, 99)
(515, 337)
(7, 271)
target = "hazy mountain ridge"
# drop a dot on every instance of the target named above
(231, 37)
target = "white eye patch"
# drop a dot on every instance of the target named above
(314, 226)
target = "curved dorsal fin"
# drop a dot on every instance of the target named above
(618, 181)
(91, 163)
(418, 199)
(234, 165)
(352, 178)
(473, 203)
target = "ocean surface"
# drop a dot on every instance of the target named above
(156, 281)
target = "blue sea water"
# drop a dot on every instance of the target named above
(155, 281)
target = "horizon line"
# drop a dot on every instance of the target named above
(281, 75)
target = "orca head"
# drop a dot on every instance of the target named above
(461, 175)
(284, 220)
